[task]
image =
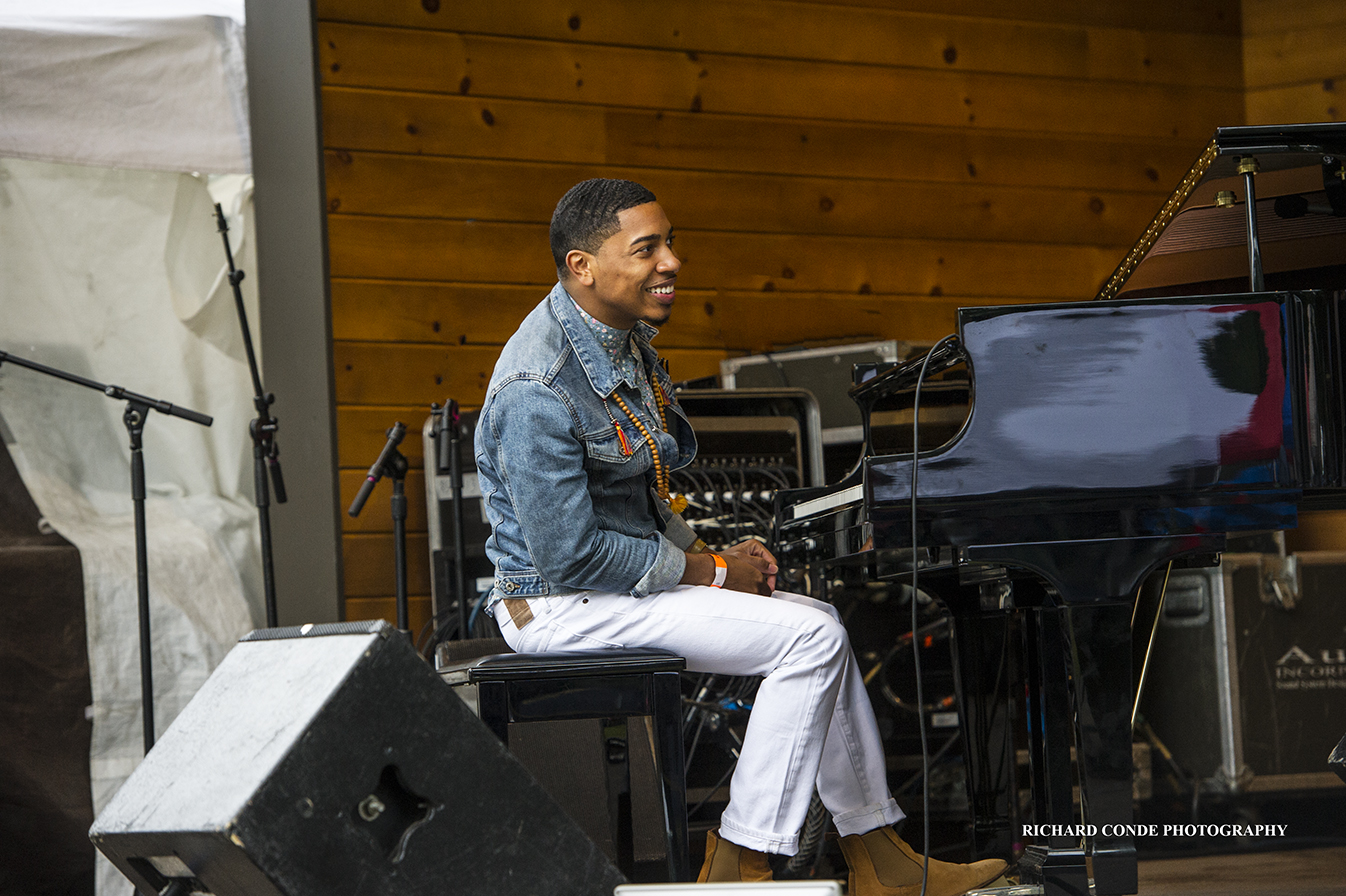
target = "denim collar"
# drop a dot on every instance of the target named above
(593, 357)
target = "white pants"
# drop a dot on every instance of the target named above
(811, 724)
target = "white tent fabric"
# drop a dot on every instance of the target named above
(116, 273)
(128, 83)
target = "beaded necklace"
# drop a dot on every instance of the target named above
(677, 503)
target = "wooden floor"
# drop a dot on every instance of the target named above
(1301, 872)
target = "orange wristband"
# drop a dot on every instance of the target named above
(721, 571)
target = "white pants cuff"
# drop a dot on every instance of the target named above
(762, 841)
(862, 821)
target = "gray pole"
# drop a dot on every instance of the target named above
(296, 329)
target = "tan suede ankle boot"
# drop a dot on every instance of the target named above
(882, 865)
(729, 862)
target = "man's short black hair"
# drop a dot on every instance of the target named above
(587, 215)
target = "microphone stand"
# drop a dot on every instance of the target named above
(265, 451)
(137, 409)
(392, 464)
(448, 439)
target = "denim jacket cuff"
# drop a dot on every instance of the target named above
(677, 531)
(666, 572)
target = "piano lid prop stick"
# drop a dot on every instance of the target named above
(1249, 167)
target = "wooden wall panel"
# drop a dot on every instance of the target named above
(1264, 17)
(1295, 60)
(418, 249)
(421, 125)
(412, 60)
(366, 183)
(364, 431)
(1316, 101)
(427, 123)
(369, 565)
(378, 373)
(836, 171)
(739, 322)
(1138, 48)
(418, 610)
(1193, 16)
(1295, 57)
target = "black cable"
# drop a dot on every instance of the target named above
(718, 496)
(939, 754)
(697, 692)
(733, 502)
(422, 643)
(740, 500)
(926, 632)
(915, 590)
(984, 732)
(707, 488)
(718, 784)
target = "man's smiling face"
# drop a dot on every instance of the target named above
(631, 276)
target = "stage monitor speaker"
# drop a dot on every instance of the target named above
(329, 760)
(825, 371)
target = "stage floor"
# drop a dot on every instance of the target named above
(1299, 872)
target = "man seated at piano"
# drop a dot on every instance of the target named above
(574, 445)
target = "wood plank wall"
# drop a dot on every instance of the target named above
(837, 171)
(1294, 59)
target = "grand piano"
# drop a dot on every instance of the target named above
(1101, 444)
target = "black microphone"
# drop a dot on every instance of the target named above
(1291, 206)
(277, 480)
(1299, 206)
(376, 472)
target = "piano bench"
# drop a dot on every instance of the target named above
(505, 688)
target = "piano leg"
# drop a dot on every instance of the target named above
(1058, 862)
(1083, 675)
(983, 678)
(1099, 638)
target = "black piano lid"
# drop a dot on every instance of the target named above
(1194, 245)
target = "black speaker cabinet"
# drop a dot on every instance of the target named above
(1247, 691)
(330, 760)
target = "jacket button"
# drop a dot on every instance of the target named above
(511, 587)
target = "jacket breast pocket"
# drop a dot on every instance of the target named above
(606, 447)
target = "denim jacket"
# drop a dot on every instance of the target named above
(569, 509)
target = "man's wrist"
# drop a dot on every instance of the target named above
(721, 571)
(700, 569)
